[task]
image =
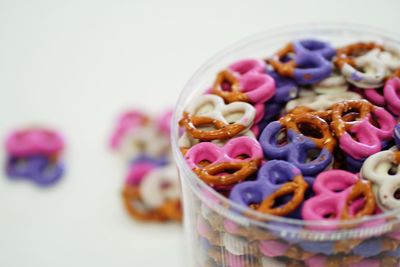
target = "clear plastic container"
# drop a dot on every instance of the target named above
(222, 233)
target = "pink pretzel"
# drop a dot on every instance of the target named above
(128, 121)
(260, 112)
(244, 66)
(391, 92)
(164, 122)
(273, 248)
(244, 80)
(230, 152)
(137, 172)
(34, 141)
(369, 137)
(374, 96)
(333, 189)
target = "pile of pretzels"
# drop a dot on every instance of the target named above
(267, 132)
(310, 133)
(151, 191)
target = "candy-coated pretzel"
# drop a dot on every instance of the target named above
(170, 210)
(222, 130)
(346, 55)
(34, 142)
(309, 63)
(361, 64)
(227, 86)
(275, 179)
(226, 121)
(362, 189)
(295, 148)
(41, 170)
(297, 188)
(251, 87)
(391, 93)
(213, 174)
(317, 126)
(245, 66)
(339, 125)
(160, 186)
(369, 134)
(129, 120)
(378, 169)
(337, 192)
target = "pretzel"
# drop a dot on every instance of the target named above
(231, 94)
(298, 188)
(242, 170)
(223, 131)
(170, 210)
(283, 68)
(360, 189)
(340, 125)
(345, 55)
(226, 120)
(317, 125)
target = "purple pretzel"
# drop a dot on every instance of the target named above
(314, 46)
(285, 88)
(271, 176)
(396, 134)
(39, 169)
(295, 150)
(309, 64)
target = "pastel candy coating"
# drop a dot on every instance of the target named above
(38, 169)
(375, 96)
(392, 95)
(311, 68)
(295, 151)
(396, 134)
(228, 153)
(331, 188)
(128, 121)
(164, 122)
(138, 171)
(245, 66)
(34, 141)
(272, 248)
(286, 88)
(257, 86)
(369, 137)
(376, 169)
(314, 46)
(271, 176)
(323, 247)
(159, 186)
(369, 248)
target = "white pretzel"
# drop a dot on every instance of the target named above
(376, 169)
(235, 245)
(321, 102)
(334, 84)
(213, 106)
(160, 185)
(146, 140)
(390, 57)
(373, 74)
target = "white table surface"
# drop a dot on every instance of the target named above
(75, 65)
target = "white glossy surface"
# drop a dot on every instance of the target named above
(75, 65)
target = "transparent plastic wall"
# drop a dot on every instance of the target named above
(221, 233)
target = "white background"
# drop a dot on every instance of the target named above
(75, 65)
